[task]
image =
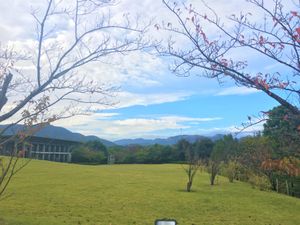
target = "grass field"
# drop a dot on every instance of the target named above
(56, 193)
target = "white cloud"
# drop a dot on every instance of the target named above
(137, 70)
(114, 129)
(236, 91)
(238, 130)
(127, 99)
(191, 119)
(105, 115)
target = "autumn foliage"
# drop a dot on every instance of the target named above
(274, 37)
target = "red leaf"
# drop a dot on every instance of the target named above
(294, 13)
(261, 40)
(298, 30)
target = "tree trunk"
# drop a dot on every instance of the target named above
(189, 186)
(287, 187)
(212, 178)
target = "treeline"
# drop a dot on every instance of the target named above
(94, 152)
(155, 154)
(270, 160)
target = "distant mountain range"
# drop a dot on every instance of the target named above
(165, 141)
(55, 132)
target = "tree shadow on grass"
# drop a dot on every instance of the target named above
(2, 222)
(184, 190)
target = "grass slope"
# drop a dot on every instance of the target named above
(54, 193)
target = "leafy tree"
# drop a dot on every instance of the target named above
(97, 146)
(225, 148)
(203, 148)
(92, 152)
(182, 147)
(253, 151)
(86, 156)
(133, 154)
(259, 162)
(282, 127)
(283, 168)
(159, 154)
(167, 154)
(118, 152)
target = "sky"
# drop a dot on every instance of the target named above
(151, 101)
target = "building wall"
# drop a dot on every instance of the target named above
(52, 152)
(43, 149)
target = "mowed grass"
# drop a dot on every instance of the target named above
(56, 193)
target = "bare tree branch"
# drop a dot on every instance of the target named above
(277, 38)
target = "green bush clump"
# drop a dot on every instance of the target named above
(231, 170)
(259, 181)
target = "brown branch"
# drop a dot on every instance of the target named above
(4, 88)
(41, 37)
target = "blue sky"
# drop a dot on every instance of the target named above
(189, 105)
(152, 101)
(225, 111)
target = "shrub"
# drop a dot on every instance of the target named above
(87, 156)
(231, 170)
(259, 181)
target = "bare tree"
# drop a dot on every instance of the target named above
(58, 56)
(191, 169)
(276, 36)
(213, 169)
(192, 164)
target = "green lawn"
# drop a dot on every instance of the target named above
(56, 193)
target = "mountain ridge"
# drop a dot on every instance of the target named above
(55, 132)
(165, 141)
